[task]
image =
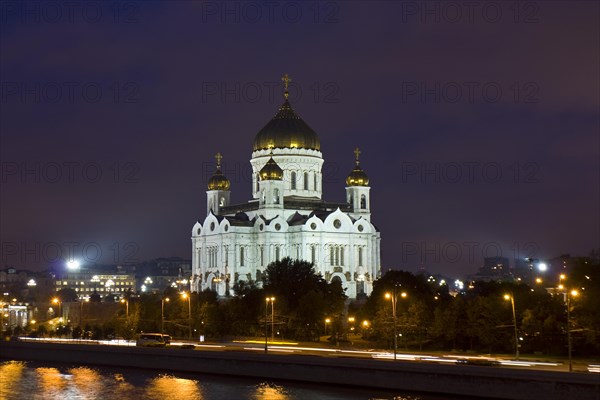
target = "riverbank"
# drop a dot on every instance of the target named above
(464, 380)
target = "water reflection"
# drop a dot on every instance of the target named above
(87, 382)
(10, 377)
(166, 387)
(35, 381)
(51, 381)
(269, 391)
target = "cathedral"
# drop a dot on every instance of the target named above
(286, 216)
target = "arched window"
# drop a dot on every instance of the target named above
(277, 253)
(293, 180)
(276, 196)
(306, 181)
(222, 202)
(315, 181)
(262, 256)
(360, 256)
(313, 255)
(363, 201)
(241, 256)
(331, 250)
(342, 256)
(257, 184)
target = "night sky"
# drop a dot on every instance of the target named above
(478, 125)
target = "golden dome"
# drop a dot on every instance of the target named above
(357, 177)
(271, 171)
(286, 130)
(218, 181)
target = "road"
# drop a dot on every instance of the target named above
(283, 348)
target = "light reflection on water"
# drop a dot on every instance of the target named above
(20, 381)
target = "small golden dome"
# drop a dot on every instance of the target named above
(357, 177)
(271, 171)
(218, 181)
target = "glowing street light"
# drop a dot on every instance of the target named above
(327, 321)
(572, 293)
(162, 313)
(126, 302)
(393, 297)
(187, 296)
(267, 300)
(512, 303)
(85, 300)
(57, 301)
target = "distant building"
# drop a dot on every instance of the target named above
(157, 275)
(494, 269)
(104, 280)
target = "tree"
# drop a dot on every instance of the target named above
(303, 297)
(67, 295)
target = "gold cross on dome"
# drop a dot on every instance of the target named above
(356, 154)
(286, 81)
(219, 157)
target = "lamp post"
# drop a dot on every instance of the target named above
(81, 310)
(327, 321)
(393, 297)
(57, 301)
(126, 302)
(572, 293)
(267, 300)
(162, 314)
(512, 303)
(272, 319)
(189, 299)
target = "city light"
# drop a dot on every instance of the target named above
(542, 267)
(73, 265)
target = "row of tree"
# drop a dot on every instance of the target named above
(306, 307)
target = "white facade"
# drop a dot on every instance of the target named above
(285, 218)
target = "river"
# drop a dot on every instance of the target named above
(32, 380)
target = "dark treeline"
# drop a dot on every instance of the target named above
(428, 317)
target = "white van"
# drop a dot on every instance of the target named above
(152, 340)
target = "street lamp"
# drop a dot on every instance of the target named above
(185, 295)
(327, 321)
(57, 301)
(162, 313)
(81, 310)
(272, 319)
(572, 293)
(267, 300)
(512, 303)
(126, 302)
(393, 297)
